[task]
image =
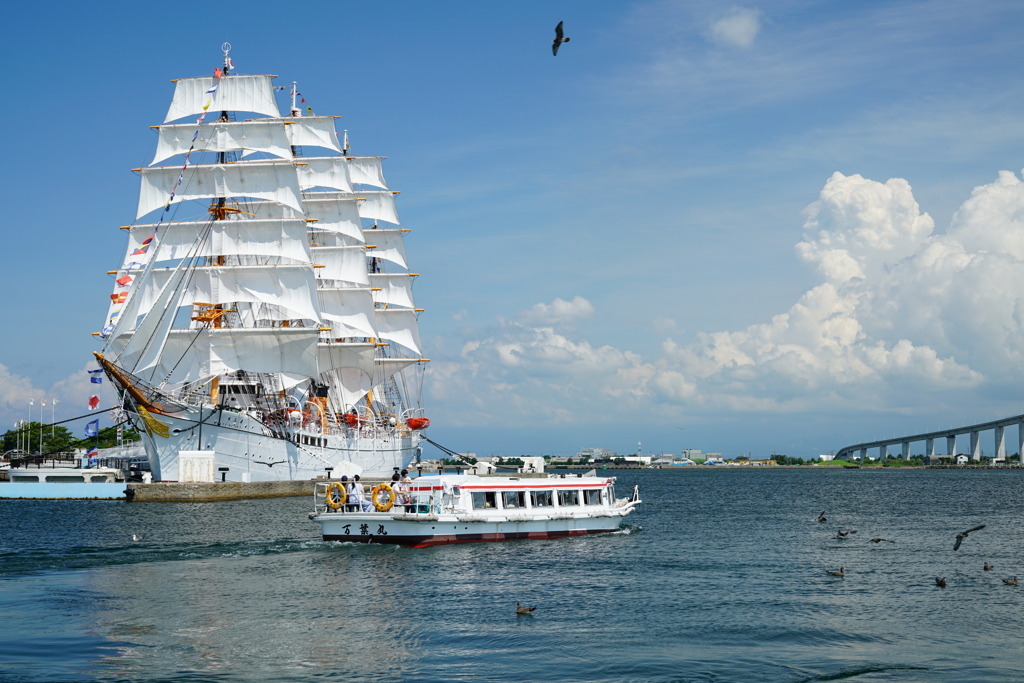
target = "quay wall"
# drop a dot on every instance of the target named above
(171, 492)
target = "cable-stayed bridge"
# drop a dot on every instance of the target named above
(950, 435)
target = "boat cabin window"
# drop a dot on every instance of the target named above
(592, 497)
(513, 499)
(23, 477)
(568, 498)
(540, 499)
(65, 479)
(483, 500)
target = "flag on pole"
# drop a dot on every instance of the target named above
(92, 428)
(91, 452)
(96, 379)
(93, 402)
(309, 109)
(124, 280)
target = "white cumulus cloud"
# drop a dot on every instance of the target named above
(900, 313)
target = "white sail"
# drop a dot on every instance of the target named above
(291, 287)
(313, 131)
(193, 354)
(273, 180)
(389, 245)
(234, 93)
(399, 325)
(348, 310)
(261, 135)
(378, 205)
(334, 213)
(395, 289)
(366, 171)
(342, 263)
(348, 386)
(253, 237)
(335, 355)
(143, 349)
(329, 172)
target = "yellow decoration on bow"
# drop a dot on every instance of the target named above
(154, 425)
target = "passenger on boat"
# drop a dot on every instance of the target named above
(357, 496)
(404, 492)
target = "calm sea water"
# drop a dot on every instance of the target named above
(719, 577)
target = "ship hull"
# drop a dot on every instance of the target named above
(347, 527)
(251, 453)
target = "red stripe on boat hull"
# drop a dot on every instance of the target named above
(448, 539)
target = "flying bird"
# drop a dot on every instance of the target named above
(963, 534)
(841, 573)
(988, 567)
(881, 540)
(519, 608)
(558, 39)
(821, 517)
(941, 583)
(1010, 582)
(844, 534)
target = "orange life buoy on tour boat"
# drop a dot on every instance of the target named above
(418, 423)
(389, 499)
(335, 495)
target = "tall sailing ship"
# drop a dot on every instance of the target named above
(262, 324)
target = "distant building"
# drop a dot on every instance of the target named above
(961, 459)
(826, 458)
(596, 454)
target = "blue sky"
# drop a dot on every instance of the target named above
(608, 238)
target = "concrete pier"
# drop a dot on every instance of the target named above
(206, 493)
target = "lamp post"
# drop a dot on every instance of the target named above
(28, 436)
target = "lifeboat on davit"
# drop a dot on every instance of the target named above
(415, 423)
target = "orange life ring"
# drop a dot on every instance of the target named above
(336, 495)
(389, 499)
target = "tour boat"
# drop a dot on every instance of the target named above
(454, 508)
(261, 325)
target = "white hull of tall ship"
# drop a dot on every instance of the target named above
(448, 509)
(241, 443)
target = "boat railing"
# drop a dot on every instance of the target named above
(405, 504)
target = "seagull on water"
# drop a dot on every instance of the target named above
(844, 534)
(941, 583)
(963, 534)
(988, 567)
(821, 517)
(880, 540)
(556, 43)
(841, 573)
(519, 608)
(1010, 582)
(137, 537)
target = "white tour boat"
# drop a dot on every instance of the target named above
(440, 509)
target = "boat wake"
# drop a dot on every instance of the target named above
(40, 560)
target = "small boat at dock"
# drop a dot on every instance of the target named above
(452, 508)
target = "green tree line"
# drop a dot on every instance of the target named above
(60, 439)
